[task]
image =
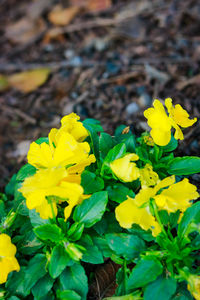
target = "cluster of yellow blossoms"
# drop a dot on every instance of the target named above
(161, 123)
(177, 196)
(59, 166)
(137, 211)
(8, 262)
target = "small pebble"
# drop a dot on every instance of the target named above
(132, 108)
(145, 100)
(69, 53)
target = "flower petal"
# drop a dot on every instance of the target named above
(160, 137)
(125, 169)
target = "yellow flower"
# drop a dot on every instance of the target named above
(194, 286)
(125, 169)
(159, 122)
(128, 213)
(8, 262)
(137, 211)
(177, 196)
(70, 124)
(67, 152)
(46, 186)
(162, 124)
(148, 177)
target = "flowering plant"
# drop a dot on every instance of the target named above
(86, 196)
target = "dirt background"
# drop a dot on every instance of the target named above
(109, 61)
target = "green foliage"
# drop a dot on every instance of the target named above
(49, 232)
(56, 254)
(42, 287)
(59, 260)
(91, 211)
(189, 221)
(185, 165)
(74, 278)
(26, 171)
(161, 288)
(91, 183)
(146, 271)
(126, 245)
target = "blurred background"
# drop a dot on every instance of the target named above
(103, 59)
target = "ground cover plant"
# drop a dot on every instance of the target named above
(86, 197)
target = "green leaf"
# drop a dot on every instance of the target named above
(115, 153)
(173, 144)
(15, 283)
(35, 218)
(119, 129)
(29, 243)
(59, 261)
(161, 288)
(141, 233)
(132, 296)
(93, 126)
(26, 171)
(74, 233)
(191, 216)
(143, 154)
(34, 271)
(119, 192)
(2, 210)
(74, 278)
(91, 210)
(105, 144)
(49, 232)
(10, 187)
(91, 183)
(102, 245)
(128, 140)
(185, 165)
(146, 270)
(42, 140)
(42, 287)
(92, 254)
(126, 245)
(68, 295)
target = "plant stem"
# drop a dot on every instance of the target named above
(125, 276)
(52, 210)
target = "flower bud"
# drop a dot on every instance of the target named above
(74, 251)
(9, 220)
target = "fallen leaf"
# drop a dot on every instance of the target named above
(194, 80)
(98, 5)
(53, 34)
(28, 81)
(25, 30)
(63, 16)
